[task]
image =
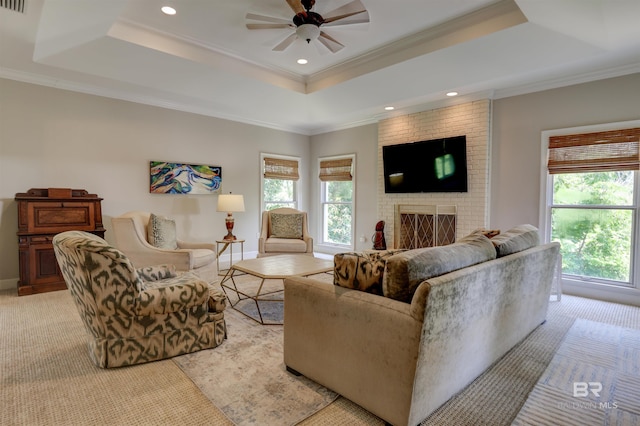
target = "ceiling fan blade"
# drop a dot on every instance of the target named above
(296, 6)
(353, 8)
(266, 26)
(331, 43)
(264, 18)
(285, 43)
(361, 17)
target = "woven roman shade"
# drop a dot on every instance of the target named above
(616, 150)
(335, 170)
(280, 168)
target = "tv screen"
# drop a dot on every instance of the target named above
(438, 165)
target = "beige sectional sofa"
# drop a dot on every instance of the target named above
(442, 317)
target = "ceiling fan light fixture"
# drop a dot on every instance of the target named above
(308, 32)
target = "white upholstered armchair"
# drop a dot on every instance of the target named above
(131, 232)
(284, 231)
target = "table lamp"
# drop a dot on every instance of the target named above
(230, 203)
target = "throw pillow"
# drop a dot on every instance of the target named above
(161, 232)
(406, 271)
(516, 239)
(286, 225)
(361, 271)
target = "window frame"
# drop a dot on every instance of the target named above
(592, 287)
(322, 202)
(296, 186)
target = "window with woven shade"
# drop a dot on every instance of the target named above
(280, 175)
(336, 198)
(592, 205)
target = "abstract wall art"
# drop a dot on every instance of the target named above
(178, 178)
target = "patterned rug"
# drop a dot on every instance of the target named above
(593, 379)
(245, 377)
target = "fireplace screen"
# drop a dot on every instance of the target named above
(425, 226)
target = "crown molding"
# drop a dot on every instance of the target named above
(569, 80)
(195, 50)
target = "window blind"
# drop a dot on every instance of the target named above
(335, 170)
(280, 168)
(616, 150)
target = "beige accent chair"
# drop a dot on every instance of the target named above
(130, 231)
(273, 241)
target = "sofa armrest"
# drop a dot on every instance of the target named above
(171, 295)
(340, 337)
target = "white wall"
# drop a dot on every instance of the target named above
(56, 138)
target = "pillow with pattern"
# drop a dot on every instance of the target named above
(161, 232)
(361, 270)
(286, 225)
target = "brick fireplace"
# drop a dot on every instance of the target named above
(471, 208)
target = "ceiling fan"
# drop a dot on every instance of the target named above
(307, 23)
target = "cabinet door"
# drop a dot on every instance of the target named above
(54, 217)
(43, 264)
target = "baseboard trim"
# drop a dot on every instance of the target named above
(9, 284)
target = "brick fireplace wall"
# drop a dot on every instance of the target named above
(471, 119)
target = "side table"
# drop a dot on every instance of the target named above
(227, 244)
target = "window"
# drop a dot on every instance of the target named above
(592, 204)
(279, 184)
(336, 181)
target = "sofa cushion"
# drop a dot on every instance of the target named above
(286, 225)
(361, 271)
(161, 232)
(516, 239)
(405, 271)
(284, 245)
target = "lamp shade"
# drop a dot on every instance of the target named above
(230, 203)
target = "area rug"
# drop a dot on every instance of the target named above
(593, 379)
(246, 378)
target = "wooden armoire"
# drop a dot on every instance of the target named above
(43, 213)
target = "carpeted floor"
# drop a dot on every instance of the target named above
(593, 379)
(250, 384)
(48, 379)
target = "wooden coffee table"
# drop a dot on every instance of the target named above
(271, 268)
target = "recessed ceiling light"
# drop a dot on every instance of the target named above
(452, 94)
(389, 108)
(302, 61)
(168, 10)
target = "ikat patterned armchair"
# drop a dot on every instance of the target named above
(136, 316)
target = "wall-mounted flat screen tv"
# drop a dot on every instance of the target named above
(438, 165)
